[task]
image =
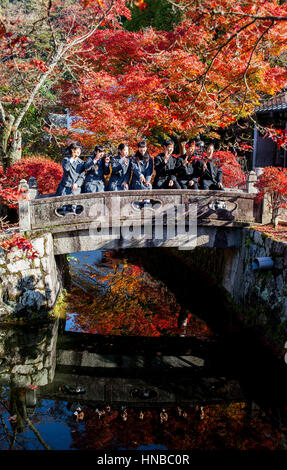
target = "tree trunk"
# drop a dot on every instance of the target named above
(275, 216)
(15, 148)
(10, 144)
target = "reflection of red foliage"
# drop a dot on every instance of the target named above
(127, 300)
(221, 427)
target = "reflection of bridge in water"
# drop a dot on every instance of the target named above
(123, 371)
(172, 370)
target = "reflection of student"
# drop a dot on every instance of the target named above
(95, 166)
(79, 415)
(141, 168)
(120, 166)
(77, 411)
(163, 416)
(124, 414)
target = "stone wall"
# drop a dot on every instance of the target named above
(260, 295)
(28, 354)
(28, 286)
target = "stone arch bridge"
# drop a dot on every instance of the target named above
(140, 219)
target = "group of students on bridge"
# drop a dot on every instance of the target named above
(123, 172)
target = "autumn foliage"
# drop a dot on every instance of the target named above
(232, 174)
(273, 184)
(36, 43)
(279, 136)
(21, 243)
(212, 69)
(47, 173)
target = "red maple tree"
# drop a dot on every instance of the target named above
(272, 183)
(211, 70)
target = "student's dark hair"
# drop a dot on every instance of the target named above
(98, 148)
(122, 146)
(146, 155)
(142, 144)
(73, 146)
(167, 142)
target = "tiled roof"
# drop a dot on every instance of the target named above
(277, 103)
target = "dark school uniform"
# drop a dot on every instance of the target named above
(165, 172)
(210, 177)
(187, 171)
(120, 173)
(94, 181)
(74, 173)
(139, 168)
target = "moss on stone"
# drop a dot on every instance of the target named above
(60, 308)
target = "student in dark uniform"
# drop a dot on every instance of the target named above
(120, 166)
(95, 166)
(210, 174)
(74, 172)
(165, 165)
(141, 168)
(187, 174)
(73, 177)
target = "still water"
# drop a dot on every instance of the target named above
(129, 367)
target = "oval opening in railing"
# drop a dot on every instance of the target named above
(218, 209)
(146, 204)
(69, 209)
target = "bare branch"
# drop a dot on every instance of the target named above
(87, 35)
(60, 53)
(249, 62)
(36, 432)
(244, 15)
(218, 52)
(72, 25)
(51, 25)
(256, 17)
(39, 85)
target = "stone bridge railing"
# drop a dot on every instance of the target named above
(212, 207)
(138, 219)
